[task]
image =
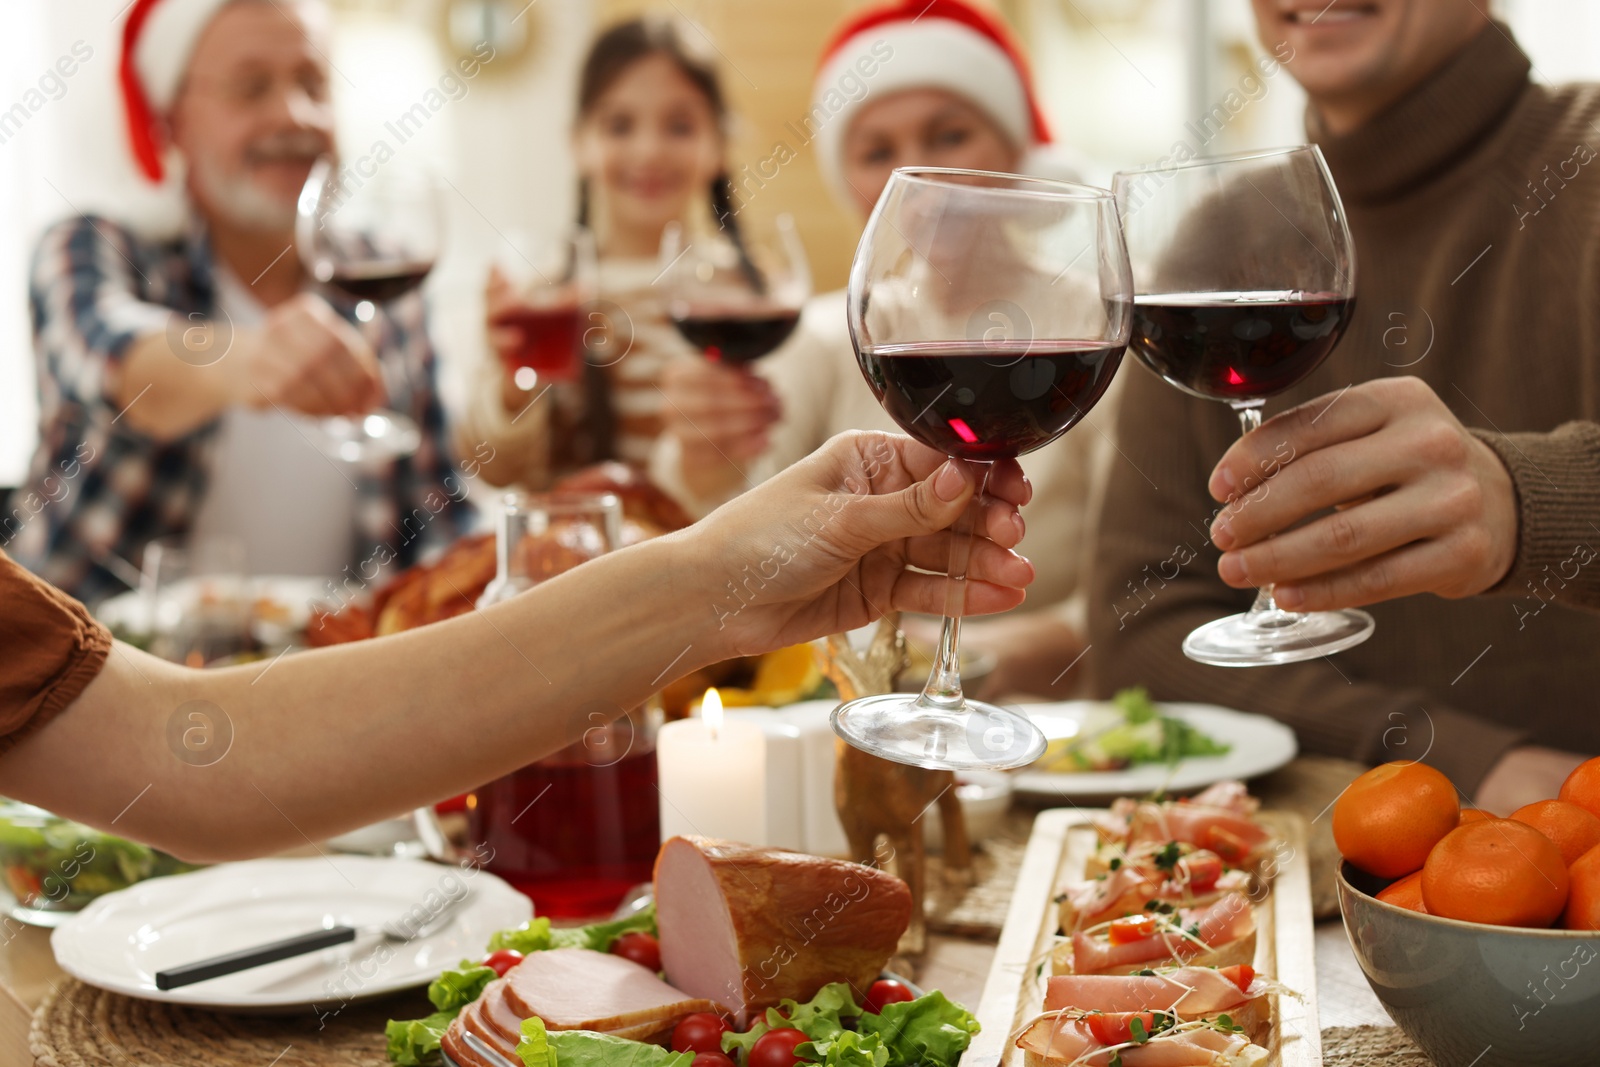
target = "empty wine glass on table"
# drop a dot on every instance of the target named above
(372, 239)
(539, 323)
(1244, 274)
(736, 296)
(989, 313)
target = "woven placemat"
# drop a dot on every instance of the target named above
(979, 909)
(81, 1026)
(1370, 1046)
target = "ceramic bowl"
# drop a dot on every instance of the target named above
(1471, 995)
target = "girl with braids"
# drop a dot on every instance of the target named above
(650, 145)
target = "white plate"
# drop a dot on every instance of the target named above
(122, 939)
(1258, 744)
(294, 593)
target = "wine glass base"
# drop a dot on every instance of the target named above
(1271, 637)
(967, 737)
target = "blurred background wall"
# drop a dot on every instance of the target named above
(1122, 81)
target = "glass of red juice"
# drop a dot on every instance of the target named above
(538, 305)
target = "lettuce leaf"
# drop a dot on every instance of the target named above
(455, 989)
(821, 1018)
(929, 1030)
(846, 1049)
(599, 936)
(583, 1048)
(415, 1042)
(531, 936)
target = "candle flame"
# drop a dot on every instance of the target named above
(711, 711)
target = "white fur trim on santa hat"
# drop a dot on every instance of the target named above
(166, 44)
(932, 54)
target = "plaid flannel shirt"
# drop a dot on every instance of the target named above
(98, 488)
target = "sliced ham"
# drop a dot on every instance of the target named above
(1226, 922)
(748, 927)
(1230, 835)
(473, 1021)
(1137, 881)
(455, 1046)
(580, 989)
(498, 1013)
(1061, 1039)
(1220, 818)
(1188, 992)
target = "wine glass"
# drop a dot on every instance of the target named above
(989, 313)
(553, 282)
(373, 238)
(1245, 276)
(736, 296)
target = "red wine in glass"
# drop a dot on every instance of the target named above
(737, 337)
(550, 338)
(378, 281)
(1237, 346)
(984, 401)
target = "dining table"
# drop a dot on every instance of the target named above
(1355, 1028)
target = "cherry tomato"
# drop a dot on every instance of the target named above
(776, 1048)
(886, 991)
(711, 1059)
(1203, 868)
(1131, 929)
(700, 1032)
(640, 947)
(1116, 1027)
(1227, 844)
(502, 960)
(1240, 975)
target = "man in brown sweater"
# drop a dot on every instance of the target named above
(1455, 429)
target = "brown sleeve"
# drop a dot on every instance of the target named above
(1155, 578)
(50, 650)
(1557, 477)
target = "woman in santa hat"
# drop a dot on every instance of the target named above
(903, 83)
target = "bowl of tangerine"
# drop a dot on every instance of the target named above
(1480, 935)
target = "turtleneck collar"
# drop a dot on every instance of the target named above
(1432, 127)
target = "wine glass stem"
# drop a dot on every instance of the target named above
(943, 690)
(1265, 608)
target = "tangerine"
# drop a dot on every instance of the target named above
(1573, 829)
(1582, 786)
(1473, 815)
(1583, 899)
(1406, 893)
(1496, 871)
(1388, 818)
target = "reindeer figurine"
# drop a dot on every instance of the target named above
(878, 798)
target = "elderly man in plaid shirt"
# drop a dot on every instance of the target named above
(172, 373)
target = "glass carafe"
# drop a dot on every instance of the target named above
(575, 830)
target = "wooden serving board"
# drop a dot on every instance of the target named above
(1061, 843)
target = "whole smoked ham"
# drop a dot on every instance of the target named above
(748, 927)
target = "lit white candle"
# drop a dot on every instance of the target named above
(713, 776)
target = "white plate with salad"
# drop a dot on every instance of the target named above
(1131, 745)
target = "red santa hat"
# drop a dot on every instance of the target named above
(914, 44)
(158, 40)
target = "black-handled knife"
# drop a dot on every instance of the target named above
(244, 959)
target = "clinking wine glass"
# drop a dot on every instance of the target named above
(1244, 275)
(736, 295)
(372, 239)
(989, 313)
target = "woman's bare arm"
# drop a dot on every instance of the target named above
(319, 742)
